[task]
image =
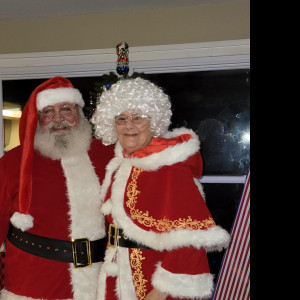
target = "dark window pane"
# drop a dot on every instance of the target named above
(223, 201)
(216, 105)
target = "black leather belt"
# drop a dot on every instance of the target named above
(116, 237)
(81, 252)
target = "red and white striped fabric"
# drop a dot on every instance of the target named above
(234, 279)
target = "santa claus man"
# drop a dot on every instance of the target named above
(50, 217)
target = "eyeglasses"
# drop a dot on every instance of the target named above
(135, 119)
(64, 111)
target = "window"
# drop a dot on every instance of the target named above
(216, 105)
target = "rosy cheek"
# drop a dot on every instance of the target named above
(44, 123)
(74, 119)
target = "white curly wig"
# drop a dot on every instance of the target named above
(135, 96)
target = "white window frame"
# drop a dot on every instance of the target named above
(219, 55)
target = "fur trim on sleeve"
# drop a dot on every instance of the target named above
(198, 286)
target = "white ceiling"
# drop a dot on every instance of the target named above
(40, 8)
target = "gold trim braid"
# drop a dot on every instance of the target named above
(137, 275)
(161, 224)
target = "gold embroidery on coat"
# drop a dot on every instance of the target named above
(162, 224)
(137, 275)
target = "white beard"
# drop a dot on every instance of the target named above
(57, 145)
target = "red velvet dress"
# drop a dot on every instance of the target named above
(156, 198)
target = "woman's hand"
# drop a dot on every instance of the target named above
(156, 295)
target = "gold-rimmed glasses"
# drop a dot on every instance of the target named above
(65, 111)
(134, 118)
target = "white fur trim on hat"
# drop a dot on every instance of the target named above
(53, 96)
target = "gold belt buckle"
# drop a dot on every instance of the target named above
(88, 253)
(112, 233)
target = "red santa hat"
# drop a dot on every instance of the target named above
(55, 90)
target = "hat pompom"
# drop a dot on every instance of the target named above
(110, 268)
(22, 221)
(106, 207)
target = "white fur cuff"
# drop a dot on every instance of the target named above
(183, 285)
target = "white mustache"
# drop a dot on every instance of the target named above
(57, 125)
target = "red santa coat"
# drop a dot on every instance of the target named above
(65, 205)
(157, 200)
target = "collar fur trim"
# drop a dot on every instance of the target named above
(169, 156)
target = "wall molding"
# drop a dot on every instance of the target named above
(223, 179)
(219, 55)
(148, 59)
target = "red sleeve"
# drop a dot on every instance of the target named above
(186, 260)
(100, 156)
(9, 181)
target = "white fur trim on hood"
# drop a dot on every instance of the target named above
(169, 156)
